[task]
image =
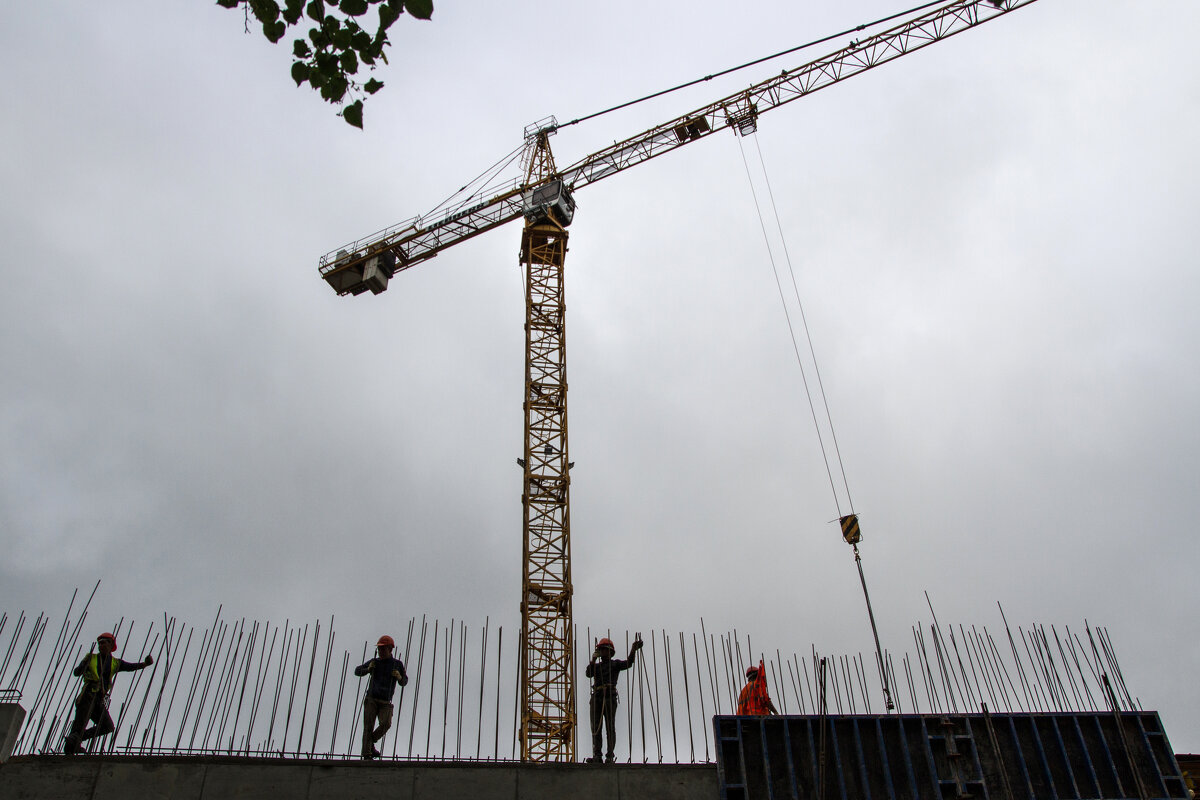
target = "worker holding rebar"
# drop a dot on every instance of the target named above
(385, 673)
(98, 671)
(754, 700)
(604, 670)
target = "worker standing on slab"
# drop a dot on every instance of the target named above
(754, 700)
(98, 671)
(603, 669)
(385, 673)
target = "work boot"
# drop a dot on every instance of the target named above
(71, 745)
(610, 759)
(595, 759)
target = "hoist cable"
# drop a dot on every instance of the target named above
(755, 62)
(879, 660)
(489, 173)
(791, 329)
(804, 321)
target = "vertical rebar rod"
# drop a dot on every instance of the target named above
(219, 711)
(1071, 641)
(357, 715)
(482, 664)
(412, 728)
(324, 680)
(1017, 660)
(499, 677)
(687, 697)
(280, 673)
(655, 697)
(700, 692)
(432, 684)
(912, 689)
(260, 681)
(408, 636)
(449, 658)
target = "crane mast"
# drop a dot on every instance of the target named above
(547, 628)
(543, 195)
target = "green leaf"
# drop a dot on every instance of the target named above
(293, 10)
(316, 10)
(353, 114)
(327, 63)
(316, 78)
(300, 49)
(372, 86)
(388, 13)
(421, 9)
(228, 3)
(300, 72)
(349, 62)
(274, 30)
(265, 10)
(342, 39)
(319, 38)
(354, 8)
(361, 41)
(335, 89)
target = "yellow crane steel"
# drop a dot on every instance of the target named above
(543, 196)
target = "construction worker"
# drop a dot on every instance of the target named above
(603, 669)
(385, 673)
(754, 700)
(98, 671)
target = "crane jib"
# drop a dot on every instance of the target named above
(740, 111)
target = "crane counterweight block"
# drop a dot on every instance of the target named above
(351, 276)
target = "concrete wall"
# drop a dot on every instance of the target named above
(207, 778)
(11, 717)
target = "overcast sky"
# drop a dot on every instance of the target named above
(995, 243)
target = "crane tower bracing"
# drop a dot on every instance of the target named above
(543, 196)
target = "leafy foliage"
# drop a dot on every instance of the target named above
(339, 43)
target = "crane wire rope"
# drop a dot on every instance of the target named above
(490, 174)
(506, 160)
(792, 333)
(879, 659)
(755, 62)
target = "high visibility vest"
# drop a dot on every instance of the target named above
(754, 700)
(91, 672)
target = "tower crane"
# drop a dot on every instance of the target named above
(544, 196)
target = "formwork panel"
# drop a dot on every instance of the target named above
(1037, 756)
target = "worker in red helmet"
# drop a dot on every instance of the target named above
(754, 700)
(385, 673)
(98, 669)
(604, 670)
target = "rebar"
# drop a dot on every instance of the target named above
(214, 698)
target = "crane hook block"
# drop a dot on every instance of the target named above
(354, 274)
(850, 531)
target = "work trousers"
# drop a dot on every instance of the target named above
(372, 710)
(604, 710)
(90, 706)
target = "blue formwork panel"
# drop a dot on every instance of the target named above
(1061, 756)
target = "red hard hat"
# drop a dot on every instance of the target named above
(385, 641)
(110, 637)
(606, 642)
(751, 672)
